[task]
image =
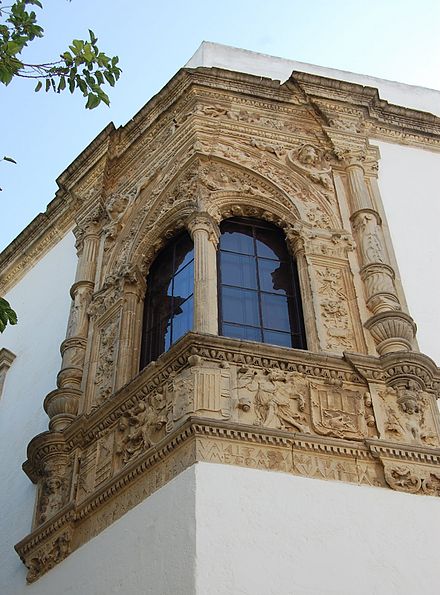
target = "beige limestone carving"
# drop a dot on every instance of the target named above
(341, 412)
(105, 372)
(408, 415)
(413, 479)
(273, 399)
(215, 147)
(309, 161)
(141, 426)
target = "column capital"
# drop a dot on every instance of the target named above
(203, 221)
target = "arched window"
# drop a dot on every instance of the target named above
(168, 308)
(259, 296)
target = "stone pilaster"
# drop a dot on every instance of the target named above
(205, 234)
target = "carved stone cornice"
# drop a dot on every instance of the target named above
(358, 103)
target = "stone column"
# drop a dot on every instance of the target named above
(296, 243)
(205, 234)
(392, 329)
(61, 405)
(133, 292)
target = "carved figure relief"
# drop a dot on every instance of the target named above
(277, 400)
(407, 415)
(308, 160)
(51, 498)
(141, 426)
(116, 207)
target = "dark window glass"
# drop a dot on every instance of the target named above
(240, 306)
(259, 298)
(168, 308)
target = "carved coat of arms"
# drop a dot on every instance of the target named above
(338, 411)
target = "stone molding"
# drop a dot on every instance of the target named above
(360, 419)
(6, 360)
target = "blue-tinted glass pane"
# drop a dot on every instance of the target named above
(277, 338)
(184, 252)
(240, 306)
(238, 270)
(275, 312)
(270, 244)
(274, 276)
(186, 259)
(237, 241)
(248, 333)
(183, 321)
(184, 282)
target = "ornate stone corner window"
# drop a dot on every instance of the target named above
(6, 360)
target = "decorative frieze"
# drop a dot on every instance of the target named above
(220, 400)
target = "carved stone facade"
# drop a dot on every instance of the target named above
(358, 406)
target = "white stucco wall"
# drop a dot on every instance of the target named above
(268, 533)
(409, 186)
(149, 551)
(42, 302)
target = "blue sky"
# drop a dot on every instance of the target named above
(393, 39)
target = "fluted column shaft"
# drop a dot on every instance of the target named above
(133, 288)
(205, 234)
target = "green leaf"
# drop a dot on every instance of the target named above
(67, 57)
(62, 84)
(7, 314)
(39, 85)
(14, 47)
(47, 85)
(9, 159)
(92, 101)
(5, 76)
(110, 78)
